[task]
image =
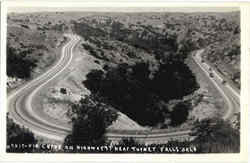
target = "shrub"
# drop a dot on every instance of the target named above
(18, 64)
(18, 135)
(216, 136)
(180, 113)
(90, 120)
(63, 90)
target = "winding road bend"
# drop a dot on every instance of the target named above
(20, 102)
(230, 94)
(24, 113)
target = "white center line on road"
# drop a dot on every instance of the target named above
(234, 92)
(37, 123)
(28, 103)
(228, 100)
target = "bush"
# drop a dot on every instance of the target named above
(63, 90)
(129, 142)
(90, 120)
(87, 131)
(180, 113)
(174, 80)
(18, 64)
(17, 135)
(216, 136)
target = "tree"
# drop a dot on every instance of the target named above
(129, 142)
(90, 120)
(18, 64)
(17, 135)
(174, 80)
(216, 136)
(87, 131)
(94, 79)
(180, 113)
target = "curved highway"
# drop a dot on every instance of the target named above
(23, 112)
(229, 94)
(20, 102)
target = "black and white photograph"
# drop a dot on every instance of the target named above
(163, 80)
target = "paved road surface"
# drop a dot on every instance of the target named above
(229, 93)
(19, 102)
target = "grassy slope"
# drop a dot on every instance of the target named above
(219, 33)
(27, 35)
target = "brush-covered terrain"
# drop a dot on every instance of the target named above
(133, 36)
(130, 71)
(33, 45)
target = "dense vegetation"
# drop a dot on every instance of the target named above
(19, 65)
(17, 135)
(90, 120)
(215, 136)
(131, 90)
